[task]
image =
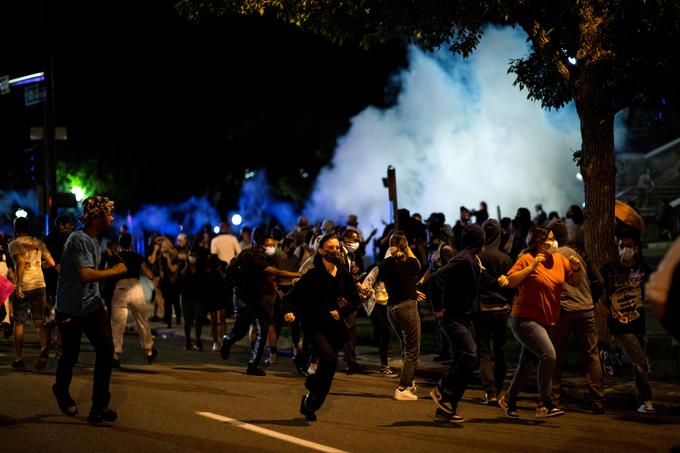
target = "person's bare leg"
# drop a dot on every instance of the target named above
(18, 340)
(42, 333)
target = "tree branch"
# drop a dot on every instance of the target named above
(540, 39)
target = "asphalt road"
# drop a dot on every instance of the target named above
(194, 401)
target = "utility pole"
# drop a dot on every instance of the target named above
(391, 183)
(49, 200)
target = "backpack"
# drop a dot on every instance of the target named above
(437, 258)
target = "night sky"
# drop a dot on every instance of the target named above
(166, 109)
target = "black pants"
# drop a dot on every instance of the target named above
(492, 326)
(325, 347)
(193, 309)
(97, 327)
(171, 298)
(454, 383)
(247, 314)
(351, 343)
(381, 331)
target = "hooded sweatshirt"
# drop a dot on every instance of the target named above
(496, 263)
(455, 287)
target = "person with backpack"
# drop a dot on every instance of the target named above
(252, 273)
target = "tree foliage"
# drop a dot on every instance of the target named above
(605, 55)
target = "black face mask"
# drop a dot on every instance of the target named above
(332, 258)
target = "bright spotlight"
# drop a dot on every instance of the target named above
(236, 219)
(216, 229)
(21, 213)
(572, 60)
(79, 192)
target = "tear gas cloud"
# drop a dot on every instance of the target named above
(459, 133)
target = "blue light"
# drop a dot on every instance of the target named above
(26, 80)
(236, 219)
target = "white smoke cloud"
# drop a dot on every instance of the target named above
(459, 133)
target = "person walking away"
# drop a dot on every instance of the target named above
(80, 310)
(399, 272)
(577, 314)
(28, 254)
(128, 296)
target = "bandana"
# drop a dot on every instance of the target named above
(94, 207)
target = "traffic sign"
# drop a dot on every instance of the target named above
(4, 84)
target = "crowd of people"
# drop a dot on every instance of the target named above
(478, 279)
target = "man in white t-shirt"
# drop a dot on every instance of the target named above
(225, 245)
(28, 254)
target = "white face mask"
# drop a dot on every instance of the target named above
(352, 247)
(192, 259)
(627, 253)
(551, 246)
(270, 251)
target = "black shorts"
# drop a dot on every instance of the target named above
(34, 300)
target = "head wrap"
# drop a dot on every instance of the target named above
(96, 206)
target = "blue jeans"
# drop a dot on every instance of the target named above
(538, 354)
(405, 321)
(456, 380)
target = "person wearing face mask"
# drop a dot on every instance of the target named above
(252, 274)
(129, 295)
(350, 245)
(324, 297)
(624, 281)
(577, 314)
(539, 275)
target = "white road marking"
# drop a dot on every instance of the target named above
(270, 433)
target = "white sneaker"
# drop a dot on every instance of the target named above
(646, 408)
(215, 346)
(404, 395)
(413, 387)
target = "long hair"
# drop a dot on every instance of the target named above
(398, 245)
(537, 236)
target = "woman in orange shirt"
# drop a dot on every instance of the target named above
(539, 274)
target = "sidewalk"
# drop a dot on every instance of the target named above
(619, 390)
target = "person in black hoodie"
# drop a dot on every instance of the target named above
(492, 320)
(455, 296)
(324, 297)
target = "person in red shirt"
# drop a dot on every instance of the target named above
(539, 274)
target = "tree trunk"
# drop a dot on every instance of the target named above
(597, 169)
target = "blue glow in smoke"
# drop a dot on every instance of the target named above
(12, 200)
(189, 216)
(256, 204)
